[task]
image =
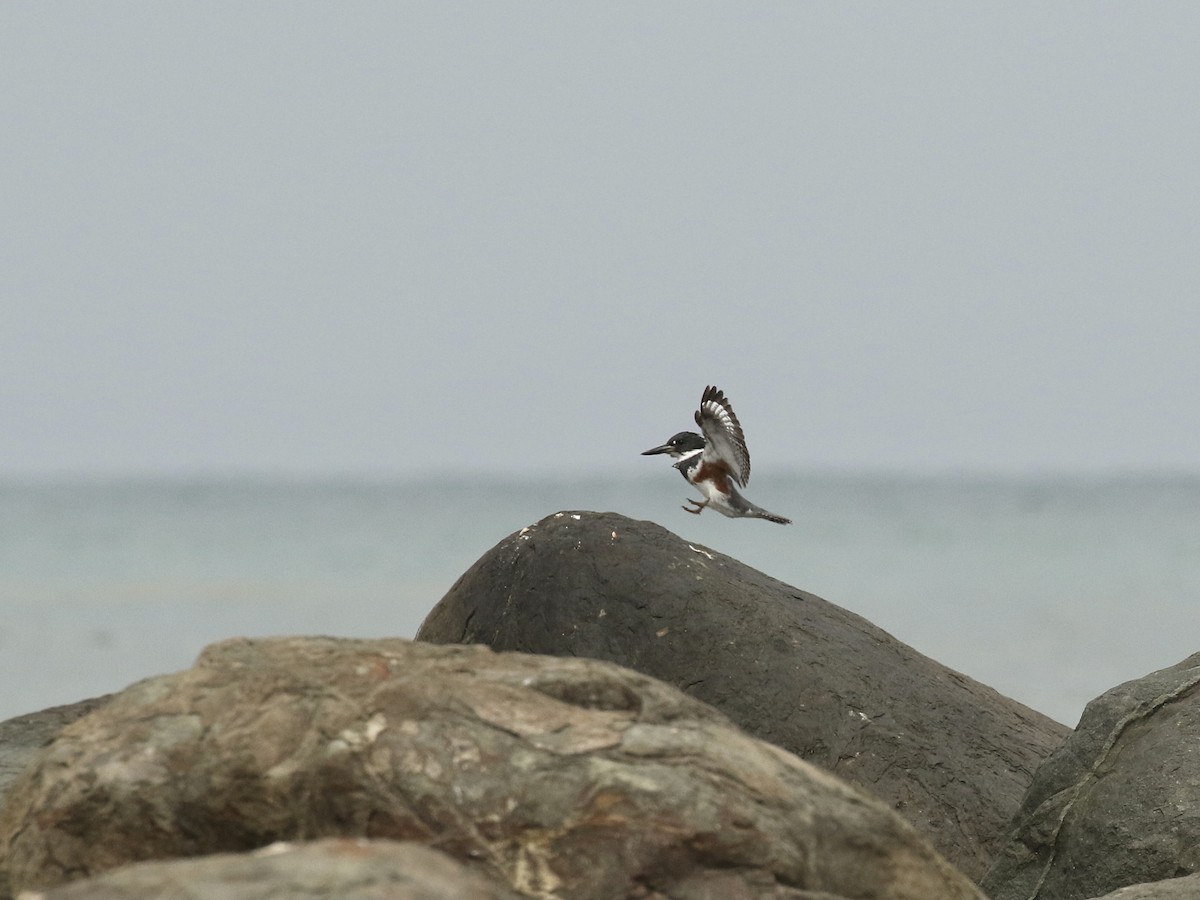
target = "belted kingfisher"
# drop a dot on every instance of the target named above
(716, 462)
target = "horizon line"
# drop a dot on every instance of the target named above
(333, 475)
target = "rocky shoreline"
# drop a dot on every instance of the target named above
(598, 709)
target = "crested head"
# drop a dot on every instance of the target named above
(685, 442)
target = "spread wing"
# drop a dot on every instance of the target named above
(724, 441)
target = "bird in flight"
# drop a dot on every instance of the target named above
(716, 461)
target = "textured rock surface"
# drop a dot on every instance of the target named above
(1185, 888)
(560, 778)
(953, 756)
(332, 868)
(1119, 803)
(22, 737)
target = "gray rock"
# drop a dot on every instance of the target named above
(558, 778)
(1119, 803)
(332, 868)
(951, 755)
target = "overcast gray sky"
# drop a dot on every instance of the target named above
(436, 237)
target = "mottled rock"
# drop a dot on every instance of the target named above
(1119, 803)
(951, 755)
(23, 736)
(339, 868)
(558, 778)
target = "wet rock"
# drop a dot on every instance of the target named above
(1119, 803)
(342, 868)
(952, 755)
(557, 778)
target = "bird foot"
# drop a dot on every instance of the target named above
(699, 506)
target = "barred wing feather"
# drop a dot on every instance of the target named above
(723, 435)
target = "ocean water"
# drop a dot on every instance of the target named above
(1051, 590)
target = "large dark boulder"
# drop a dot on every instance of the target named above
(953, 756)
(1119, 803)
(572, 779)
(338, 868)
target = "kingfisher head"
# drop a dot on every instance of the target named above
(682, 444)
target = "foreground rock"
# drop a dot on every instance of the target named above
(342, 868)
(1119, 803)
(557, 778)
(331, 868)
(953, 756)
(1186, 888)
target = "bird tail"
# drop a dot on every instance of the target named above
(757, 512)
(760, 513)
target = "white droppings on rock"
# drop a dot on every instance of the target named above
(701, 551)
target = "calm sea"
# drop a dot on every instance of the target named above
(1050, 590)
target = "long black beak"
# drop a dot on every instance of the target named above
(665, 448)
